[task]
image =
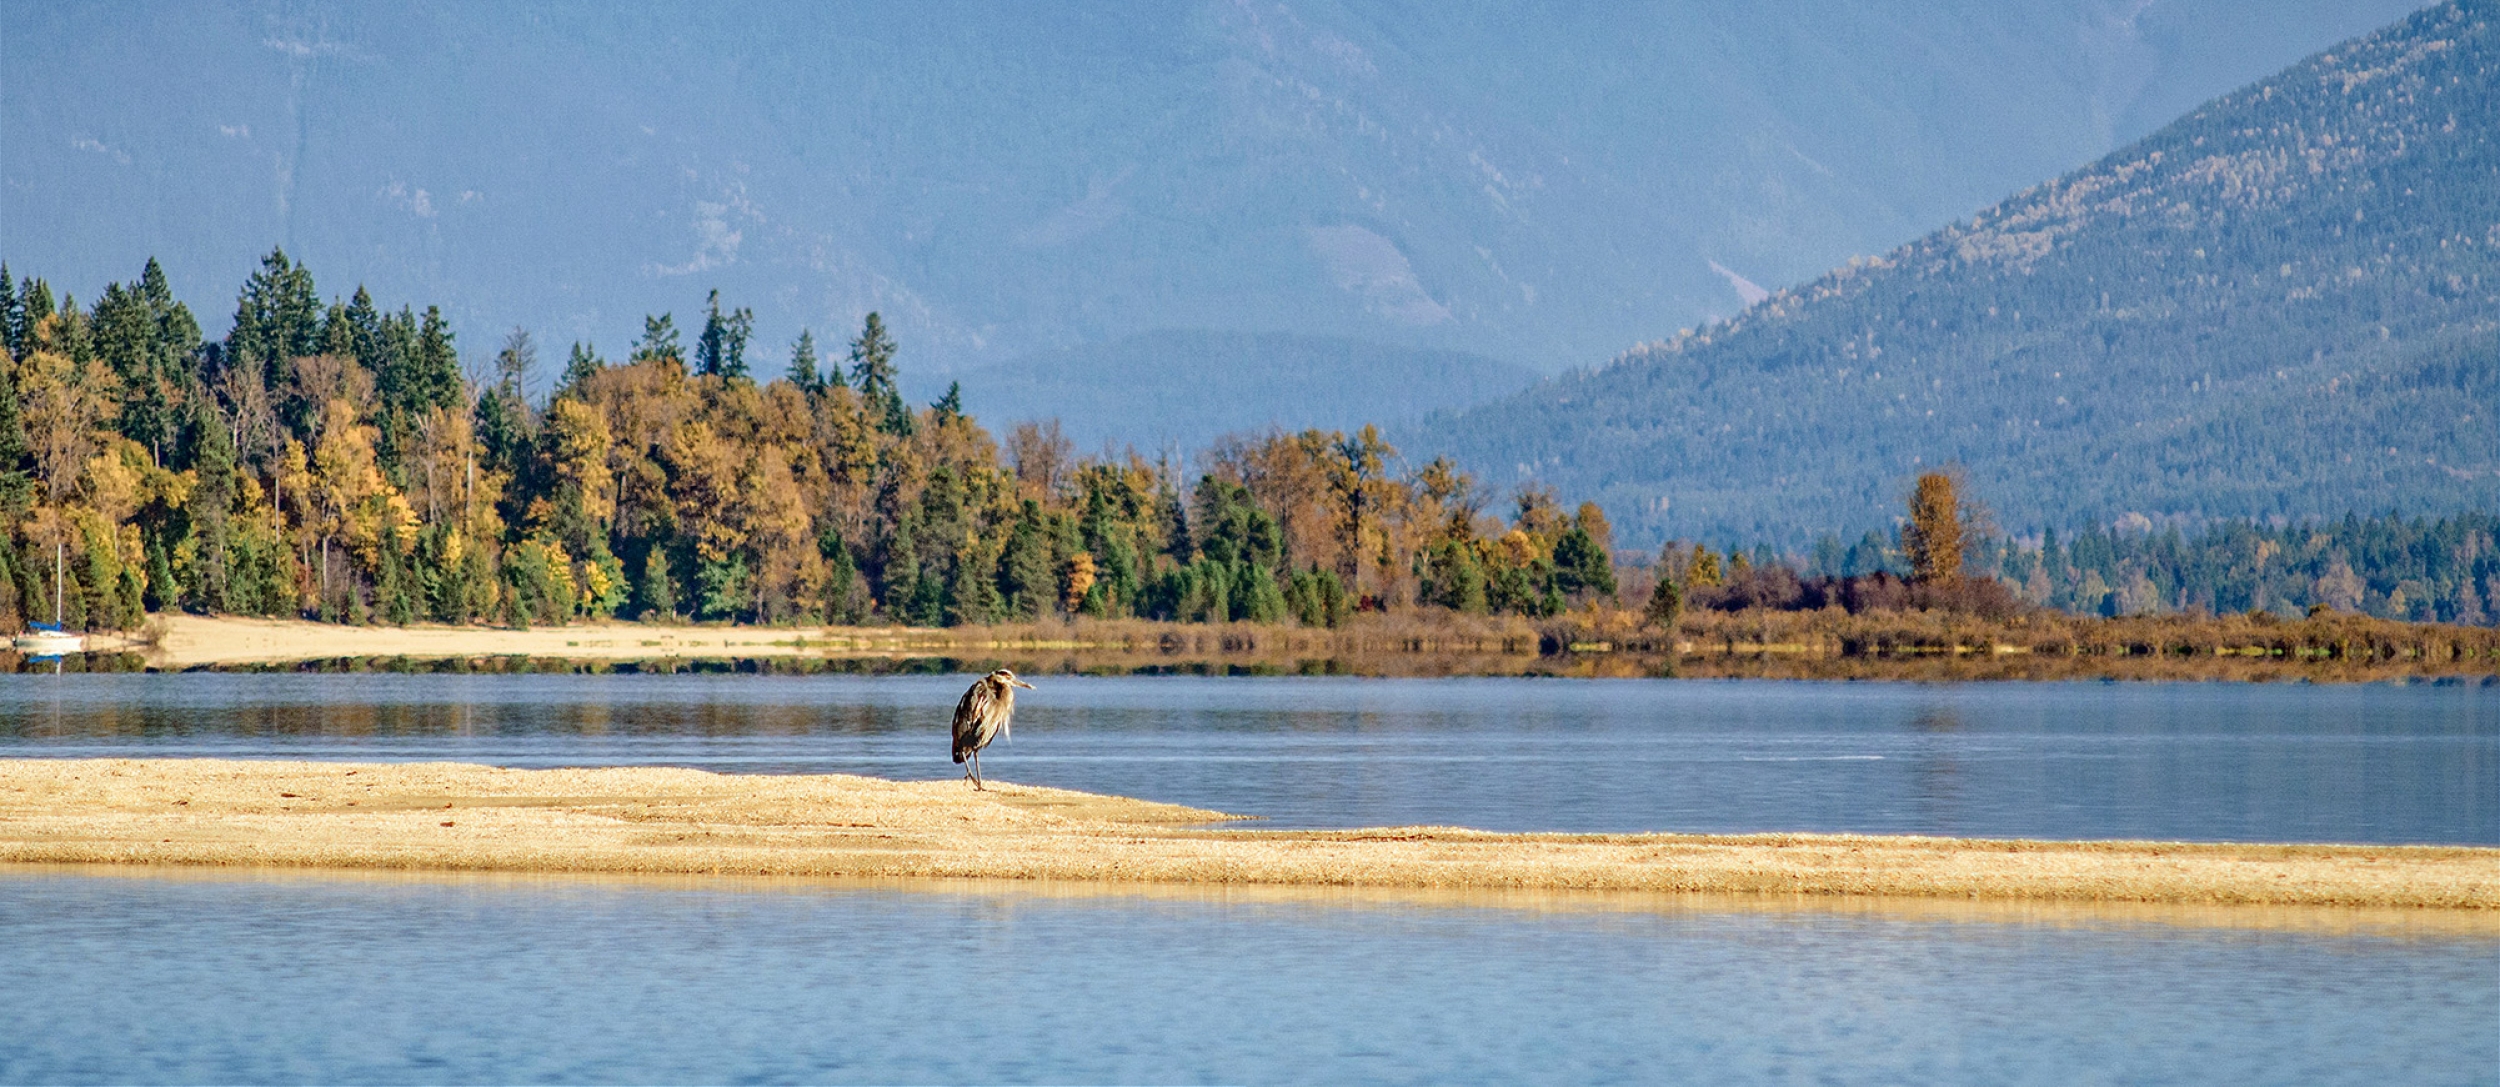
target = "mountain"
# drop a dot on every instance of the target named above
(1539, 184)
(2285, 304)
(1180, 390)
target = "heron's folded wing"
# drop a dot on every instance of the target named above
(969, 713)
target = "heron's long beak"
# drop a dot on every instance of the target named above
(1021, 683)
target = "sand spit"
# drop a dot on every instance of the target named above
(660, 821)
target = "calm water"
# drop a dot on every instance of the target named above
(115, 977)
(2378, 763)
(277, 979)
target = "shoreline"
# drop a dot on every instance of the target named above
(2142, 650)
(652, 821)
(2398, 922)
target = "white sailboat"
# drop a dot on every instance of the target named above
(48, 639)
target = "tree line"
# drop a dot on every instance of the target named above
(2416, 569)
(335, 460)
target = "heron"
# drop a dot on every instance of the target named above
(983, 716)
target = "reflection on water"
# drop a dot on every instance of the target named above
(290, 978)
(2186, 761)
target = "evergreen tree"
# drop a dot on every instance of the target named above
(436, 381)
(846, 597)
(659, 341)
(503, 418)
(972, 597)
(659, 588)
(217, 485)
(722, 587)
(147, 339)
(951, 406)
(721, 350)
(873, 374)
(34, 298)
(1256, 596)
(1581, 565)
(16, 457)
(394, 595)
(803, 363)
(362, 324)
(277, 320)
(1025, 575)
(901, 570)
(580, 365)
(12, 315)
(1666, 605)
(1453, 579)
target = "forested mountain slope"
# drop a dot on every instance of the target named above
(2284, 304)
(1537, 183)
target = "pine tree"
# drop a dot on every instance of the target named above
(803, 363)
(34, 299)
(721, 350)
(1666, 605)
(901, 570)
(434, 366)
(277, 320)
(210, 509)
(722, 587)
(365, 339)
(846, 599)
(659, 588)
(16, 461)
(12, 315)
(1024, 572)
(1454, 579)
(1256, 596)
(580, 365)
(873, 374)
(659, 341)
(972, 596)
(951, 406)
(1581, 565)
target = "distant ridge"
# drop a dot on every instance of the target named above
(1539, 183)
(1186, 388)
(2285, 304)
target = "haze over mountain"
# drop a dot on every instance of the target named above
(2286, 304)
(1005, 181)
(1176, 392)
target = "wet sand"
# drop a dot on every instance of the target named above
(667, 821)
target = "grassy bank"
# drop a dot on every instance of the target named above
(1831, 644)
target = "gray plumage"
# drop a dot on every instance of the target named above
(984, 715)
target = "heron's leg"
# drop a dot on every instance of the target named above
(976, 769)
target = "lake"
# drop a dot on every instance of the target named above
(137, 975)
(274, 978)
(2415, 763)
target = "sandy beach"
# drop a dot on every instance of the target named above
(653, 821)
(185, 641)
